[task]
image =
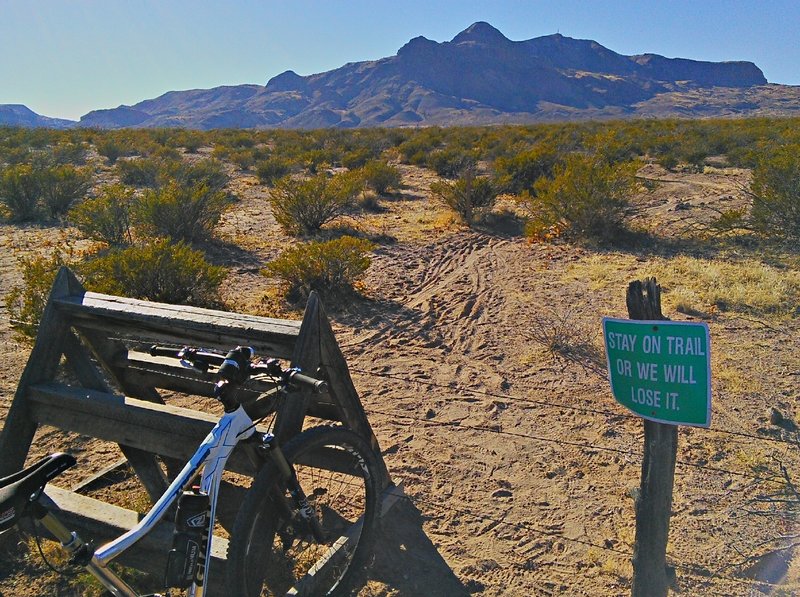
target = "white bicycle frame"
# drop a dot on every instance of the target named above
(212, 455)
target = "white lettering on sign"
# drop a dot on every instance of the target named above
(685, 346)
(651, 344)
(648, 371)
(679, 374)
(621, 341)
(648, 397)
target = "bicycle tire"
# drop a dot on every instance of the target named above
(268, 555)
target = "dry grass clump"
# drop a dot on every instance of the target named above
(695, 285)
(747, 286)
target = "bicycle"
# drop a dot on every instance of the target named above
(305, 526)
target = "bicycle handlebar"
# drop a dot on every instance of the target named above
(236, 366)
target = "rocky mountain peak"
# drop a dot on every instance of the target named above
(481, 33)
(418, 45)
(286, 81)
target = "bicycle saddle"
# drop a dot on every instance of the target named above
(17, 490)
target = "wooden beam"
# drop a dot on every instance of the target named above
(107, 350)
(166, 430)
(180, 324)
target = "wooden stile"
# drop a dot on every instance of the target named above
(104, 340)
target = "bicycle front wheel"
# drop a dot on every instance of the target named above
(273, 548)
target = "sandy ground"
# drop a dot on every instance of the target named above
(519, 468)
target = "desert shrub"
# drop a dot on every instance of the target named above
(61, 186)
(15, 155)
(106, 218)
(422, 142)
(210, 173)
(26, 303)
(179, 212)
(564, 334)
(242, 139)
(20, 189)
(111, 149)
(69, 153)
(160, 271)
(775, 190)
(316, 160)
(470, 196)
(451, 162)
(191, 141)
(587, 198)
(244, 158)
(140, 172)
(519, 172)
(615, 144)
(271, 169)
(380, 176)
(356, 158)
(329, 267)
(165, 153)
(302, 206)
(668, 161)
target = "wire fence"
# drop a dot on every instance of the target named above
(699, 573)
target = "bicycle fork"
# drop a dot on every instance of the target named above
(269, 444)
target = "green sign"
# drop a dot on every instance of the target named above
(660, 370)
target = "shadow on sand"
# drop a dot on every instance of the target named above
(406, 560)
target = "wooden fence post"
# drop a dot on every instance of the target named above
(654, 503)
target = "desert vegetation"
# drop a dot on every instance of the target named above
(476, 260)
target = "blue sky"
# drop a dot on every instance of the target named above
(63, 58)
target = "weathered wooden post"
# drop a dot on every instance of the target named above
(661, 371)
(654, 503)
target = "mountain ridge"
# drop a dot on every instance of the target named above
(20, 115)
(478, 77)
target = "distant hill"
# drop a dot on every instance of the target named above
(479, 77)
(19, 115)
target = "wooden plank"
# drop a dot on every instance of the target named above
(181, 324)
(164, 373)
(107, 351)
(102, 522)
(19, 428)
(166, 430)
